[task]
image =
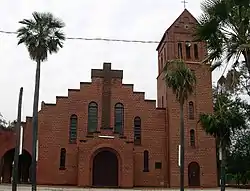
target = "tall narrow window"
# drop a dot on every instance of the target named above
(92, 117)
(165, 53)
(164, 57)
(162, 101)
(162, 63)
(196, 55)
(119, 118)
(62, 158)
(191, 110)
(188, 50)
(146, 161)
(192, 138)
(73, 129)
(180, 50)
(137, 131)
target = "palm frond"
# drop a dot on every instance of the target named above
(42, 35)
(216, 65)
(227, 117)
(224, 26)
(180, 79)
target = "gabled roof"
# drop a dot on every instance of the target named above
(184, 12)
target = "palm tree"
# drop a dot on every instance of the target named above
(2, 122)
(182, 81)
(224, 25)
(41, 35)
(228, 116)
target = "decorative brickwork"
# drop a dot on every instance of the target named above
(145, 151)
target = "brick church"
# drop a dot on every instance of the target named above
(107, 135)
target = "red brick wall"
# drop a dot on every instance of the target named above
(8, 138)
(153, 133)
(8, 142)
(54, 129)
(204, 153)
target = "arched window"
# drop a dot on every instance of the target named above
(196, 54)
(162, 101)
(188, 49)
(179, 50)
(192, 138)
(73, 129)
(62, 158)
(119, 118)
(146, 160)
(92, 117)
(162, 62)
(165, 53)
(191, 110)
(137, 131)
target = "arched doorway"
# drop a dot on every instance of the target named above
(193, 174)
(23, 166)
(105, 169)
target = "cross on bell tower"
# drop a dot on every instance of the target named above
(184, 3)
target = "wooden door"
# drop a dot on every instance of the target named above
(193, 174)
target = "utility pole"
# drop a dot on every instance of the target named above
(35, 129)
(17, 127)
(182, 136)
(182, 151)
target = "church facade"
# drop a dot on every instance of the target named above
(105, 134)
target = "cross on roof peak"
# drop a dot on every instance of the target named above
(106, 66)
(106, 72)
(184, 3)
(107, 75)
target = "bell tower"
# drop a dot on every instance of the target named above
(200, 150)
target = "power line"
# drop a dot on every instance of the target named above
(114, 40)
(98, 39)
(8, 32)
(107, 39)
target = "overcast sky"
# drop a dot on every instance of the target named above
(121, 19)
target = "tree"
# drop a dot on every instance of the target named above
(224, 25)
(238, 162)
(228, 117)
(41, 35)
(182, 80)
(2, 122)
(237, 80)
(6, 125)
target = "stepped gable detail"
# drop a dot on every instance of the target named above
(100, 73)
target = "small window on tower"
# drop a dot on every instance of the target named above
(157, 165)
(159, 61)
(165, 53)
(196, 55)
(179, 50)
(188, 50)
(191, 110)
(162, 101)
(192, 138)
(162, 63)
